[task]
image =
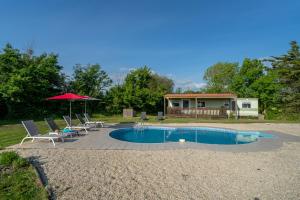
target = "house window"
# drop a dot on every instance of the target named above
(185, 103)
(175, 104)
(226, 105)
(246, 105)
(201, 104)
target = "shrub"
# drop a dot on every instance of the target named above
(19, 180)
(21, 184)
(7, 158)
(274, 114)
(19, 163)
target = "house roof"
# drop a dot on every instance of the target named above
(202, 95)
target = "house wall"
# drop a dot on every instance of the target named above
(253, 111)
(172, 101)
(209, 103)
(218, 103)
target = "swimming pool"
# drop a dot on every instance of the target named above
(151, 134)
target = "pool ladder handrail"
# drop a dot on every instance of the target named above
(139, 126)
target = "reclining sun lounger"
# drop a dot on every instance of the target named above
(88, 120)
(160, 116)
(70, 126)
(33, 133)
(55, 130)
(83, 122)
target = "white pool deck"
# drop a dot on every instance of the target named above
(99, 139)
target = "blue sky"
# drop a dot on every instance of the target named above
(179, 39)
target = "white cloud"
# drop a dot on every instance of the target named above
(189, 85)
(119, 75)
(126, 69)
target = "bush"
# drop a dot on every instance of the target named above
(12, 158)
(18, 180)
(7, 158)
(21, 184)
(274, 114)
(19, 163)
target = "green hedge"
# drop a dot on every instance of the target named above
(18, 179)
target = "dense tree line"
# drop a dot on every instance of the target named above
(26, 80)
(275, 81)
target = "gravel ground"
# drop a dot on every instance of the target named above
(171, 174)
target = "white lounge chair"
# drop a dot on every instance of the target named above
(84, 123)
(88, 120)
(69, 125)
(33, 133)
(55, 130)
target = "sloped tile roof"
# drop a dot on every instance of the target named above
(202, 95)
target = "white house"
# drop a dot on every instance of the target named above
(247, 107)
(220, 105)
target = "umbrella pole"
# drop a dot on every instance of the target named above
(85, 107)
(70, 113)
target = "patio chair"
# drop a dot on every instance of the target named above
(160, 116)
(55, 130)
(143, 116)
(82, 122)
(70, 126)
(33, 133)
(88, 120)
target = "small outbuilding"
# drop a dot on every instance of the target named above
(247, 107)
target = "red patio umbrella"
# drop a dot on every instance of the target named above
(69, 97)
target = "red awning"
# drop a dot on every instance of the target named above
(67, 96)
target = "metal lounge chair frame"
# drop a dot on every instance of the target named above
(88, 120)
(69, 126)
(83, 122)
(144, 116)
(33, 133)
(160, 116)
(54, 128)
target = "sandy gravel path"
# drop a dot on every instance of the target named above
(171, 174)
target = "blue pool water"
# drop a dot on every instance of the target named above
(189, 134)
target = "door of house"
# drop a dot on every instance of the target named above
(233, 105)
(185, 103)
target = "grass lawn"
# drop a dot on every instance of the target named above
(152, 119)
(12, 132)
(18, 179)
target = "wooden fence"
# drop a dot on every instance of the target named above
(198, 112)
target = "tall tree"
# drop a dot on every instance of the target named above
(26, 80)
(90, 80)
(136, 90)
(142, 90)
(267, 89)
(114, 99)
(219, 77)
(178, 90)
(288, 69)
(248, 73)
(162, 83)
